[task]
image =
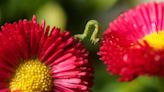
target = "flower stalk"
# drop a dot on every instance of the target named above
(160, 84)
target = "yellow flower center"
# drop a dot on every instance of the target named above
(32, 76)
(155, 40)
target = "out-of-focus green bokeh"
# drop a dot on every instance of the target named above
(72, 15)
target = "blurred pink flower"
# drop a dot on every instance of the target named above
(133, 44)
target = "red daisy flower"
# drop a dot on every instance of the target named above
(133, 44)
(33, 61)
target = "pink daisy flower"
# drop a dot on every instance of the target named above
(35, 59)
(133, 45)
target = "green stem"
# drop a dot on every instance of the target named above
(161, 84)
(89, 27)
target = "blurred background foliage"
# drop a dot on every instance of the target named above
(72, 15)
